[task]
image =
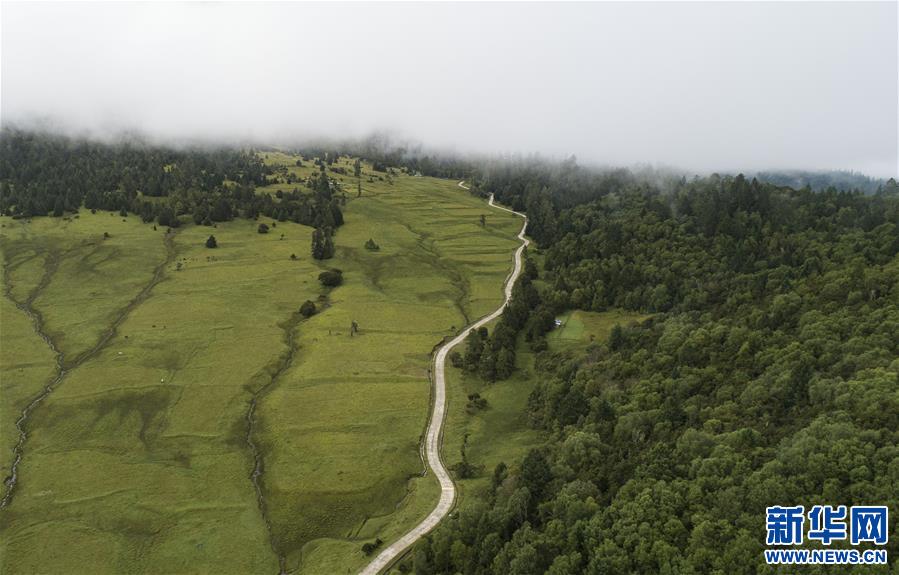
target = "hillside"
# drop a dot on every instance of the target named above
(197, 418)
(723, 348)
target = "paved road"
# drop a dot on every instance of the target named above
(432, 442)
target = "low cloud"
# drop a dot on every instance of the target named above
(702, 86)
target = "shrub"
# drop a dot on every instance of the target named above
(331, 278)
(476, 402)
(371, 245)
(464, 469)
(211, 243)
(369, 548)
(307, 309)
(262, 229)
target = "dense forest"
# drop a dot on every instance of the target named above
(45, 174)
(838, 179)
(768, 374)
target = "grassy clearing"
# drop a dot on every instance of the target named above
(580, 328)
(139, 460)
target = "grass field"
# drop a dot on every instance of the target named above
(140, 459)
(580, 328)
(137, 461)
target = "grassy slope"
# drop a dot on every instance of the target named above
(138, 461)
(27, 365)
(40, 250)
(347, 420)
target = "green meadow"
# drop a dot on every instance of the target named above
(581, 328)
(187, 368)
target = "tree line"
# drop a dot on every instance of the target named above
(45, 174)
(492, 356)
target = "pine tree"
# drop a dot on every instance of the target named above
(329, 244)
(616, 337)
(322, 244)
(487, 366)
(474, 347)
(318, 241)
(505, 363)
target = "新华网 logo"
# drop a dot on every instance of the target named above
(826, 524)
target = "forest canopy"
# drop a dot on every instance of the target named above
(767, 374)
(45, 174)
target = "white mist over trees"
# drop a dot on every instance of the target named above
(702, 86)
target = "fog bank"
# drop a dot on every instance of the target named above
(700, 86)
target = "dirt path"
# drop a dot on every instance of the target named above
(435, 427)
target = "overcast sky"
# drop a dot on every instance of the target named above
(701, 86)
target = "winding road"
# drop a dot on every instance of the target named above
(435, 427)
